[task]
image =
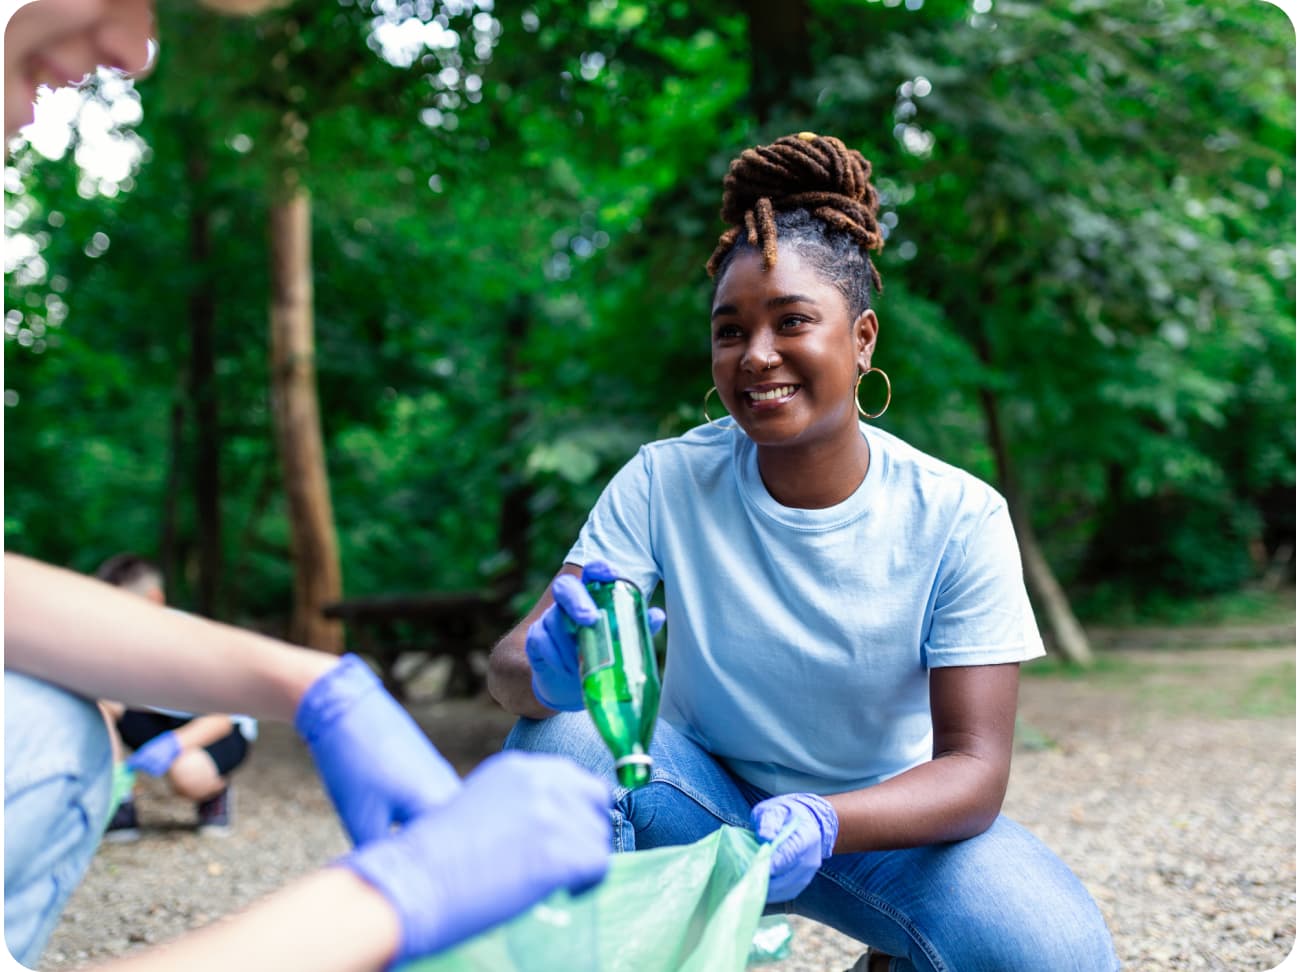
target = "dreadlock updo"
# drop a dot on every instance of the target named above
(815, 194)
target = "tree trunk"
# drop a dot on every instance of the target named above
(516, 505)
(168, 557)
(780, 52)
(317, 573)
(1066, 634)
(203, 393)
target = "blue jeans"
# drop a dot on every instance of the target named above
(998, 902)
(58, 778)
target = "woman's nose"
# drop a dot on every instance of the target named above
(760, 357)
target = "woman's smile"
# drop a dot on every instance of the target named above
(769, 396)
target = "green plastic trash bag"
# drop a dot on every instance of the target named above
(692, 908)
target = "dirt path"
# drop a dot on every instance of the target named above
(1167, 780)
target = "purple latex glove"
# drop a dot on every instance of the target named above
(523, 826)
(796, 857)
(552, 645)
(377, 765)
(156, 756)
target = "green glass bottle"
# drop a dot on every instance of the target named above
(620, 677)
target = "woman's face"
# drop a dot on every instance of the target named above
(786, 354)
(58, 42)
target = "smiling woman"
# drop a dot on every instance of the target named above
(846, 616)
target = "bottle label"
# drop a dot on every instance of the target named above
(596, 647)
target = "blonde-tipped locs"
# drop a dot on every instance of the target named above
(815, 173)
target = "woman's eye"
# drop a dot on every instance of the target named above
(791, 322)
(723, 331)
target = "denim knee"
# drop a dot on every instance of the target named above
(998, 902)
(58, 780)
(570, 734)
(1039, 914)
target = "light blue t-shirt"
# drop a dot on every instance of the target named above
(799, 641)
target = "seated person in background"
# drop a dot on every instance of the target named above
(194, 754)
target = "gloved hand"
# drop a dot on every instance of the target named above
(799, 853)
(377, 765)
(552, 645)
(156, 756)
(523, 825)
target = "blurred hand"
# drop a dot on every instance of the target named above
(156, 756)
(523, 826)
(798, 855)
(552, 645)
(377, 765)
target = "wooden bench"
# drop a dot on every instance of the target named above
(460, 625)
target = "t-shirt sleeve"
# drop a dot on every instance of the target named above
(618, 529)
(982, 614)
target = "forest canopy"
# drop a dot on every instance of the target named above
(1089, 275)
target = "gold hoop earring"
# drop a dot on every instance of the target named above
(889, 394)
(706, 406)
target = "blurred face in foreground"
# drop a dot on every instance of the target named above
(58, 42)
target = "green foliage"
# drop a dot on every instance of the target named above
(1183, 544)
(1091, 211)
(1116, 252)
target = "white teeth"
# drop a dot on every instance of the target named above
(767, 396)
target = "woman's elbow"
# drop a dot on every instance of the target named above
(985, 797)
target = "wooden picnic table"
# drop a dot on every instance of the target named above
(460, 625)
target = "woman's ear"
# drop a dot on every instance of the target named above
(865, 329)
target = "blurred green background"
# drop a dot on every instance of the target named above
(1089, 276)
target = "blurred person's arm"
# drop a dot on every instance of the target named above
(99, 641)
(445, 877)
(330, 921)
(102, 642)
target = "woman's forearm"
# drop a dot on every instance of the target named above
(329, 921)
(953, 797)
(959, 792)
(102, 642)
(510, 679)
(510, 676)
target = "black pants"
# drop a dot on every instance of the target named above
(137, 727)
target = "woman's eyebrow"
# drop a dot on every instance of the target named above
(785, 299)
(782, 301)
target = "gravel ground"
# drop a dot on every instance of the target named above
(1167, 781)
